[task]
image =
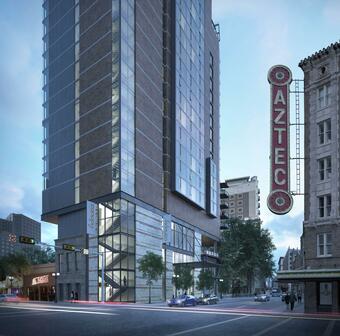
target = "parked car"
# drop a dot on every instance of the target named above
(276, 293)
(183, 300)
(207, 299)
(261, 298)
(8, 298)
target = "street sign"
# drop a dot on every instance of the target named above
(69, 247)
(279, 200)
(26, 240)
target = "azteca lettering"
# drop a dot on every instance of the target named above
(279, 200)
(40, 280)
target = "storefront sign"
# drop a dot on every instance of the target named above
(92, 217)
(279, 200)
(40, 280)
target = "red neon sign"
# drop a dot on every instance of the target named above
(279, 200)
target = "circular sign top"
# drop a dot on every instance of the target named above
(279, 75)
(279, 202)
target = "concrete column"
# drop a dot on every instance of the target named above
(310, 297)
(335, 296)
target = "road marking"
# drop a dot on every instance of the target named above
(63, 310)
(264, 331)
(187, 311)
(232, 312)
(329, 328)
(26, 305)
(207, 326)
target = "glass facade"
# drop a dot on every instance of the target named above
(212, 187)
(123, 96)
(58, 90)
(182, 237)
(189, 169)
(117, 242)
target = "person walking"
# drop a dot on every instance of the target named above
(299, 297)
(292, 300)
(76, 296)
(287, 299)
(72, 296)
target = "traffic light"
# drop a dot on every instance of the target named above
(26, 240)
(69, 247)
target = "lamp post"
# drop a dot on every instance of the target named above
(11, 278)
(55, 275)
(175, 279)
(221, 283)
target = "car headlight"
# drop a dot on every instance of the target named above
(205, 300)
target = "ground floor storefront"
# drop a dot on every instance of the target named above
(39, 284)
(119, 234)
(321, 288)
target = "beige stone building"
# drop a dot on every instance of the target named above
(240, 197)
(321, 227)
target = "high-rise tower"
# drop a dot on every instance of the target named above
(131, 124)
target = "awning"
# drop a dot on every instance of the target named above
(308, 274)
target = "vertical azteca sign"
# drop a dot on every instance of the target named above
(279, 200)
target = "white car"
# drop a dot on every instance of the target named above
(262, 298)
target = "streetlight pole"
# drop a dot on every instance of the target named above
(175, 276)
(221, 282)
(55, 275)
(11, 278)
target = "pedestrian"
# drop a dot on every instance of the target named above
(76, 297)
(287, 299)
(124, 281)
(72, 296)
(292, 300)
(299, 297)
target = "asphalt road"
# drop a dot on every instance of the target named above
(238, 316)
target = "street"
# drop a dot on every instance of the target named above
(232, 316)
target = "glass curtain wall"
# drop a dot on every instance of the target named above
(123, 96)
(117, 242)
(190, 161)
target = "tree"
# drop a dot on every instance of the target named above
(15, 264)
(205, 280)
(245, 250)
(151, 266)
(183, 278)
(37, 255)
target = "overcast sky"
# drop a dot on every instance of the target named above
(255, 34)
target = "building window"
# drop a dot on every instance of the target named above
(324, 244)
(325, 205)
(324, 96)
(325, 168)
(325, 131)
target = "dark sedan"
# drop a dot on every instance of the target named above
(208, 299)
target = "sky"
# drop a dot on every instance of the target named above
(255, 34)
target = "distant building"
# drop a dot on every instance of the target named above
(14, 226)
(240, 197)
(289, 259)
(280, 264)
